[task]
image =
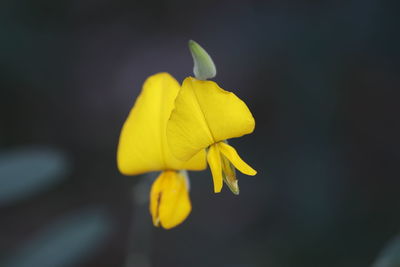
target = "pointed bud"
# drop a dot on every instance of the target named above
(229, 175)
(204, 67)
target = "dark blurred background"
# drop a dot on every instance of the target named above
(321, 81)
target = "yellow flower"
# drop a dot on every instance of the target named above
(143, 148)
(205, 116)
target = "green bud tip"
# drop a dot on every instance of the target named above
(204, 67)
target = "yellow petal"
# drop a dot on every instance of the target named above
(155, 195)
(169, 199)
(187, 130)
(205, 114)
(214, 161)
(231, 154)
(142, 145)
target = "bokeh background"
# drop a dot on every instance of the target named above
(320, 78)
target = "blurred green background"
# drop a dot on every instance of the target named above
(321, 78)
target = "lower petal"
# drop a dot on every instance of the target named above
(155, 197)
(231, 154)
(169, 200)
(214, 161)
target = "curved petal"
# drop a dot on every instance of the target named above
(214, 161)
(230, 153)
(142, 145)
(204, 114)
(187, 129)
(169, 200)
(155, 196)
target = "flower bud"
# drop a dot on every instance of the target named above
(204, 67)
